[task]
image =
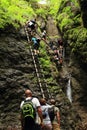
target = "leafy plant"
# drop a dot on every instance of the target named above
(41, 12)
(14, 12)
(54, 7)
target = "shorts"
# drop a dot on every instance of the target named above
(36, 46)
(29, 123)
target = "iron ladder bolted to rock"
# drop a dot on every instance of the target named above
(43, 88)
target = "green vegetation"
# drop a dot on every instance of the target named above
(14, 12)
(70, 23)
(17, 12)
(46, 60)
(78, 38)
(54, 7)
(50, 71)
(42, 12)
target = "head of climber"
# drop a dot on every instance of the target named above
(52, 101)
(42, 101)
(38, 39)
(28, 93)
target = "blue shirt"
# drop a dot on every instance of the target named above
(34, 40)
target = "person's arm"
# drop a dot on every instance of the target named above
(38, 108)
(58, 117)
(40, 114)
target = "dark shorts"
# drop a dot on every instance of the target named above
(29, 124)
(36, 46)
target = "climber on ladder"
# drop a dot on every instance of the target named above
(36, 44)
(31, 26)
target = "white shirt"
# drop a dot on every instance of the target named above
(30, 23)
(47, 119)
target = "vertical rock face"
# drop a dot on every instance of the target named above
(15, 75)
(51, 27)
(83, 4)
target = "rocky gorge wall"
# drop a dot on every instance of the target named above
(71, 21)
(14, 73)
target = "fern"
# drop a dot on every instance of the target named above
(14, 12)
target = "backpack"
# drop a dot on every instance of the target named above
(44, 113)
(51, 113)
(28, 110)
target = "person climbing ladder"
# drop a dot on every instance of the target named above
(36, 44)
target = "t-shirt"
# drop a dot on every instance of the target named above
(46, 120)
(56, 109)
(34, 40)
(31, 22)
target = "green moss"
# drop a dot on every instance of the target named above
(14, 12)
(66, 23)
(50, 72)
(70, 23)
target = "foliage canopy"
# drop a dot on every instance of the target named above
(17, 12)
(14, 12)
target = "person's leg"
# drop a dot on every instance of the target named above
(46, 127)
(37, 127)
(29, 123)
(55, 126)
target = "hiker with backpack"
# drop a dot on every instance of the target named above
(56, 118)
(44, 35)
(46, 118)
(31, 112)
(36, 44)
(32, 24)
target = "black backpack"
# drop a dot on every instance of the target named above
(51, 113)
(28, 109)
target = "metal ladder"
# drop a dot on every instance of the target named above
(40, 76)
